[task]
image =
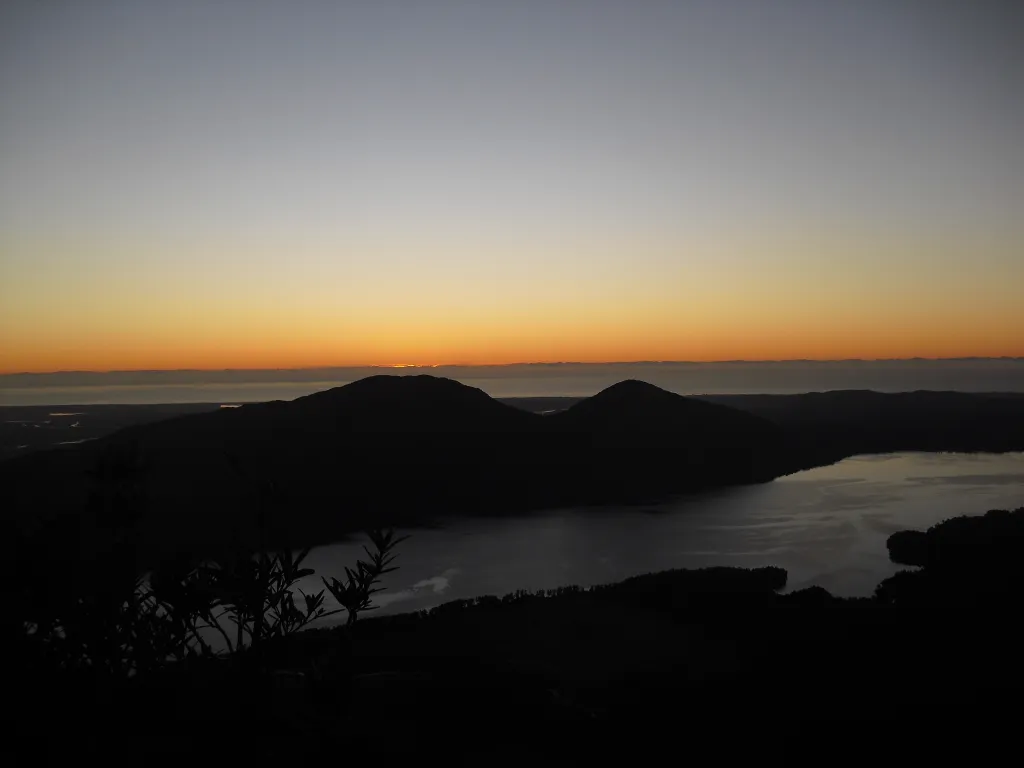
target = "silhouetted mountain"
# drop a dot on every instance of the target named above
(399, 450)
(635, 435)
(409, 449)
(638, 406)
(829, 425)
(408, 404)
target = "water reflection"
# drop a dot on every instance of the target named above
(826, 526)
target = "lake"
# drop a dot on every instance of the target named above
(826, 526)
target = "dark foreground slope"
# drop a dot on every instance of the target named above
(682, 660)
(397, 451)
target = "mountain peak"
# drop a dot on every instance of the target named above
(394, 384)
(638, 405)
(633, 388)
(418, 402)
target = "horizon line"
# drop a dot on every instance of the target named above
(406, 366)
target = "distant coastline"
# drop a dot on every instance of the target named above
(312, 373)
(1004, 374)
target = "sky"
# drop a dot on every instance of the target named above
(288, 184)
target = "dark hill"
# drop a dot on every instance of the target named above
(830, 425)
(634, 434)
(410, 403)
(386, 448)
(396, 450)
(381, 420)
(636, 406)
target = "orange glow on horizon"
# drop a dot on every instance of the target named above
(753, 299)
(99, 360)
(696, 334)
(506, 183)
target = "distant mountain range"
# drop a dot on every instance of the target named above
(411, 449)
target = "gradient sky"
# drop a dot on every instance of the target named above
(286, 184)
